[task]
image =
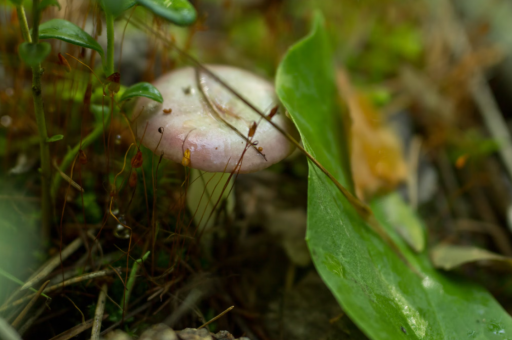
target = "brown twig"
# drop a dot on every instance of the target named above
(49, 266)
(63, 284)
(215, 318)
(20, 317)
(98, 314)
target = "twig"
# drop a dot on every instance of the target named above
(98, 314)
(14, 279)
(67, 178)
(49, 266)
(412, 178)
(215, 318)
(53, 288)
(76, 307)
(20, 317)
(31, 320)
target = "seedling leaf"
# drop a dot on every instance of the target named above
(142, 90)
(45, 3)
(66, 31)
(116, 7)
(55, 138)
(179, 12)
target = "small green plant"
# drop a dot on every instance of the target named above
(33, 52)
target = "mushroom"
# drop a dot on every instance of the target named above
(204, 126)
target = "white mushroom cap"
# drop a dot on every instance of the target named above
(194, 125)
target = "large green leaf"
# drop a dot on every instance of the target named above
(142, 89)
(384, 296)
(66, 31)
(179, 12)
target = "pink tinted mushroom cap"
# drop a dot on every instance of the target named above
(194, 125)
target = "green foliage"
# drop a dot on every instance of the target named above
(93, 211)
(116, 7)
(55, 138)
(398, 214)
(66, 31)
(384, 296)
(389, 46)
(472, 143)
(45, 3)
(308, 92)
(142, 90)
(179, 12)
(17, 2)
(34, 54)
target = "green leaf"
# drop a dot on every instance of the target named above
(45, 3)
(34, 54)
(393, 209)
(179, 12)
(54, 138)
(116, 7)
(17, 2)
(66, 31)
(448, 257)
(384, 296)
(142, 90)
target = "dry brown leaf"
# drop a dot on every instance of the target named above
(375, 152)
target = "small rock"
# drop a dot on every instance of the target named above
(194, 334)
(159, 332)
(223, 335)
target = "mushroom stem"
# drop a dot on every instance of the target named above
(205, 190)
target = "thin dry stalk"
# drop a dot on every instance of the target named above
(98, 314)
(25, 310)
(67, 178)
(412, 178)
(51, 264)
(215, 318)
(32, 319)
(61, 285)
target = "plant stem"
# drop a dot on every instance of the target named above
(109, 67)
(70, 155)
(22, 18)
(131, 280)
(37, 72)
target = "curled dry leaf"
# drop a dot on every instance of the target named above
(376, 154)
